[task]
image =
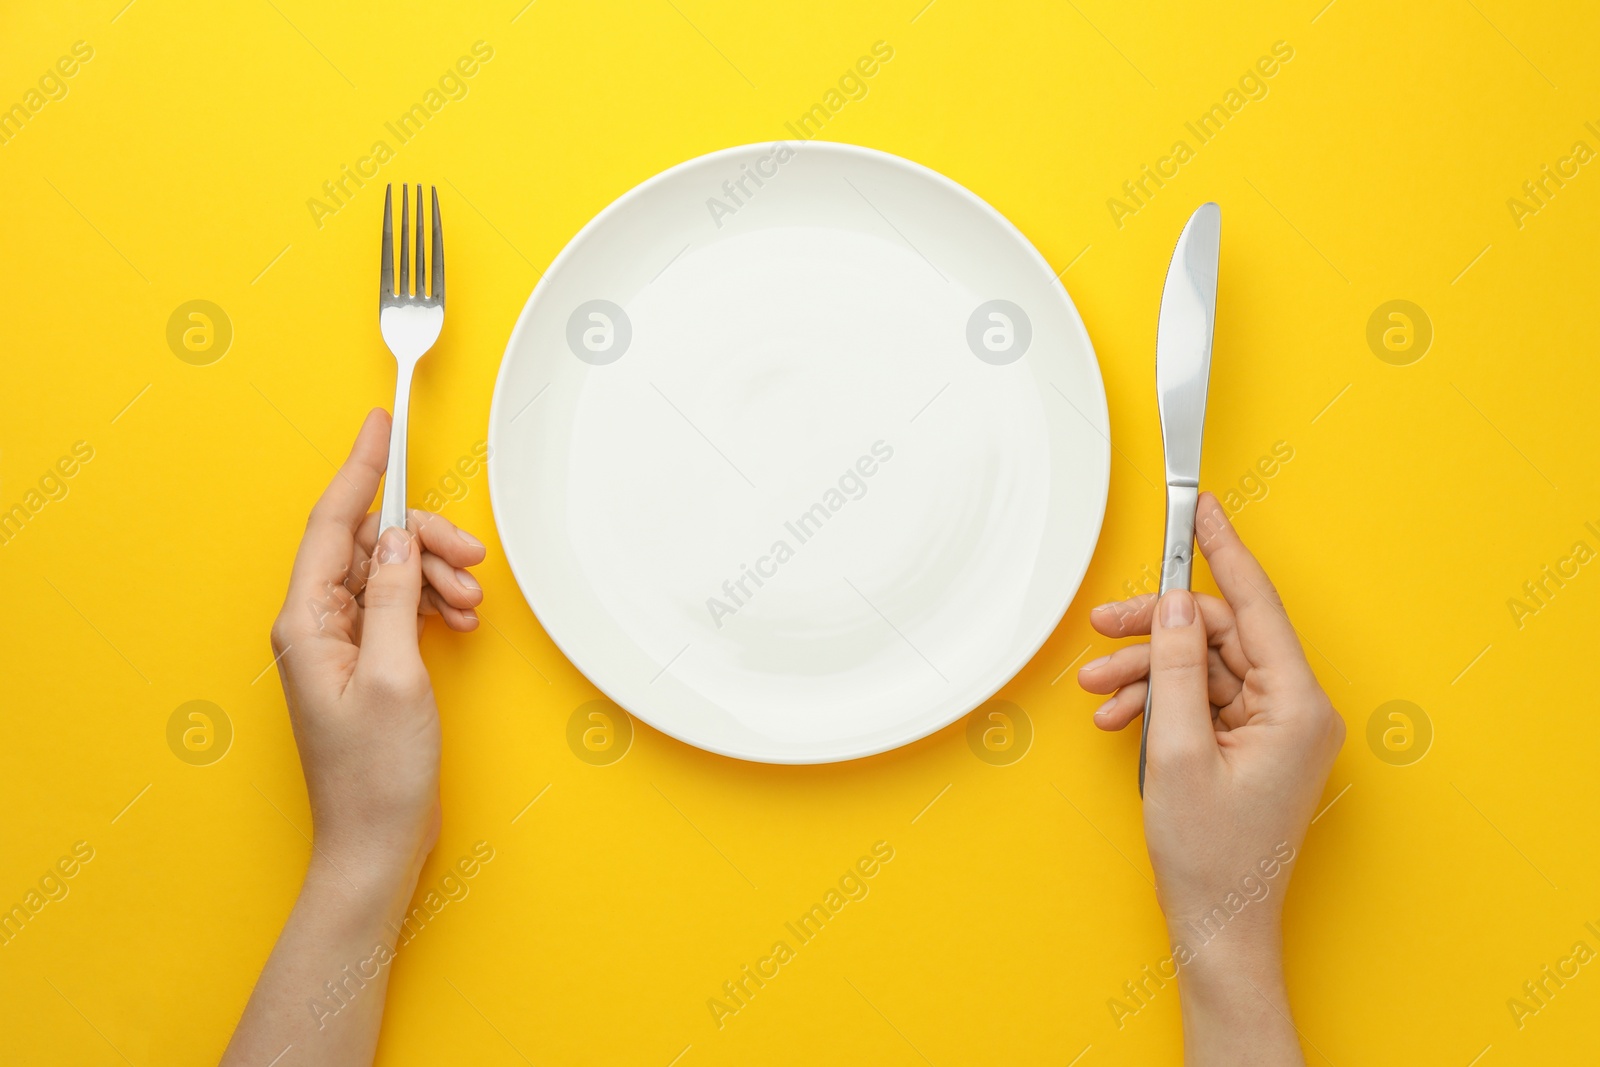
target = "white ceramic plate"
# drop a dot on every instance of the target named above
(799, 452)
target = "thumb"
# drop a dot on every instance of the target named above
(1180, 707)
(392, 596)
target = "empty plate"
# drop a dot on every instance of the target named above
(799, 451)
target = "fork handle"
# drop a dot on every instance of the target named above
(1177, 568)
(392, 512)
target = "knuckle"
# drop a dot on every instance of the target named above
(396, 683)
(1320, 723)
(1182, 755)
(317, 516)
(1335, 725)
(1179, 670)
(281, 635)
(383, 595)
(1125, 615)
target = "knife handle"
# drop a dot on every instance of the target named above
(1177, 567)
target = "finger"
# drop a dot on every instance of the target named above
(392, 602)
(1265, 633)
(457, 587)
(447, 540)
(462, 620)
(439, 535)
(1222, 685)
(1179, 731)
(326, 549)
(1124, 618)
(1233, 715)
(1123, 708)
(367, 533)
(1222, 633)
(1132, 664)
(1131, 618)
(1110, 673)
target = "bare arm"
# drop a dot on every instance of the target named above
(321, 993)
(367, 728)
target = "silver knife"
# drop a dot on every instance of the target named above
(1183, 372)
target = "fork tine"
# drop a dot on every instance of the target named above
(422, 285)
(438, 248)
(405, 242)
(386, 272)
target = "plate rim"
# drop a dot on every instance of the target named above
(1008, 671)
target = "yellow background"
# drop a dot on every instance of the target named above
(1416, 505)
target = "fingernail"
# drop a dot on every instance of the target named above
(1101, 711)
(468, 581)
(472, 542)
(394, 546)
(1177, 608)
(1103, 607)
(1096, 664)
(470, 615)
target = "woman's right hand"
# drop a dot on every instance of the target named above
(1241, 740)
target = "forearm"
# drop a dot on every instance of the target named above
(322, 989)
(1236, 1007)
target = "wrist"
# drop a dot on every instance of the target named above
(362, 882)
(1227, 965)
(376, 852)
(1235, 1002)
(1208, 951)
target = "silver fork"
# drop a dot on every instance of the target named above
(410, 322)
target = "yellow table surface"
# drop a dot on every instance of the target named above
(1379, 162)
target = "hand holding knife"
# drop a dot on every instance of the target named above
(1183, 373)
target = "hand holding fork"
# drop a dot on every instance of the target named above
(410, 322)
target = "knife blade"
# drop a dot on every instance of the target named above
(1184, 334)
